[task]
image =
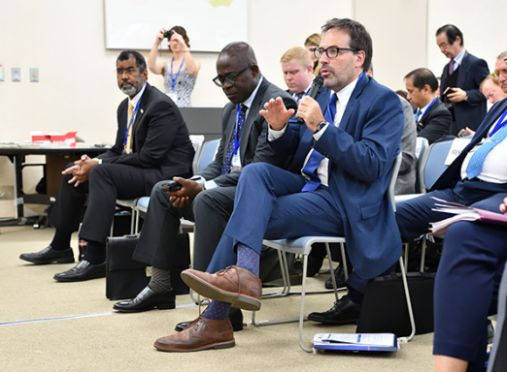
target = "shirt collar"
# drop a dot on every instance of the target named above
(248, 102)
(459, 57)
(345, 93)
(137, 97)
(425, 108)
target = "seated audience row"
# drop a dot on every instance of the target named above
(291, 164)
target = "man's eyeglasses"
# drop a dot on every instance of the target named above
(332, 52)
(229, 78)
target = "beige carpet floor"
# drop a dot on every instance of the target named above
(50, 326)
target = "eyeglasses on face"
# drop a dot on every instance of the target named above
(333, 51)
(229, 78)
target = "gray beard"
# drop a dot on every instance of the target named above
(130, 91)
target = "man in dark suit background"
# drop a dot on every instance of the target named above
(466, 180)
(460, 80)
(208, 202)
(432, 117)
(347, 154)
(152, 144)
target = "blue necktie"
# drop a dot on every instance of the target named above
(298, 96)
(331, 109)
(476, 162)
(417, 115)
(311, 166)
(234, 143)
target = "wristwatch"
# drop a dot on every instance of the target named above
(320, 126)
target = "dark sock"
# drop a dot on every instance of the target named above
(355, 295)
(95, 252)
(217, 310)
(61, 241)
(160, 281)
(248, 259)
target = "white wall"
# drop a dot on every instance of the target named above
(482, 24)
(77, 88)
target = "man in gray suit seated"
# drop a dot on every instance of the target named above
(208, 201)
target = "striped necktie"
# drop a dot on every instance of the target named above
(128, 146)
(315, 158)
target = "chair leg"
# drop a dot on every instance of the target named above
(423, 255)
(408, 299)
(136, 226)
(132, 221)
(302, 308)
(331, 270)
(284, 268)
(344, 262)
(406, 254)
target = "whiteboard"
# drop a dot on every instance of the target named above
(210, 24)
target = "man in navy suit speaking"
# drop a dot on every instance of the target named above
(337, 185)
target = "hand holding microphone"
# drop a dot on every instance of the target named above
(309, 111)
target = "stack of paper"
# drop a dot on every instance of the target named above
(356, 341)
(463, 213)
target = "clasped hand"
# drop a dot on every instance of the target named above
(277, 115)
(80, 171)
(182, 197)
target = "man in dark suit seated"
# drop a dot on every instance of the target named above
(297, 69)
(460, 80)
(337, 185)
(432, 117)
(152, 144)
(479, 172)
(210, 200)
(473, 260)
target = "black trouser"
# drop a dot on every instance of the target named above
(107, 182)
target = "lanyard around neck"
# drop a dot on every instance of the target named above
(500, 124)
(134, 113)
(174, 77)
(237, 129)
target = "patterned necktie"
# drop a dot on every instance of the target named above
(234, 143)
(315, 158)
(128, 145)
(476, 162)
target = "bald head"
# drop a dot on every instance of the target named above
(237, 70)
(240, 52)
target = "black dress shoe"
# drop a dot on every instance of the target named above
(146, 300)
(49, 255)
(339, 275)
(84, 270)
(344, 311)
(235, 316)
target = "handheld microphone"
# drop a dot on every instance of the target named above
(316, 85)
(314, 89)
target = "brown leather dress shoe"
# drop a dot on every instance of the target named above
(202, 334)
(234, 285)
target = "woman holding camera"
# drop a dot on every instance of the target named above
(180, 74)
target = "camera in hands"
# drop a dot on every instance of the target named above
(168, 34)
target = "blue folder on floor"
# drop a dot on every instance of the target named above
(386, 342)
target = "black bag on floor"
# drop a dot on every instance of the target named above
(125, 278)
(384, 307)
